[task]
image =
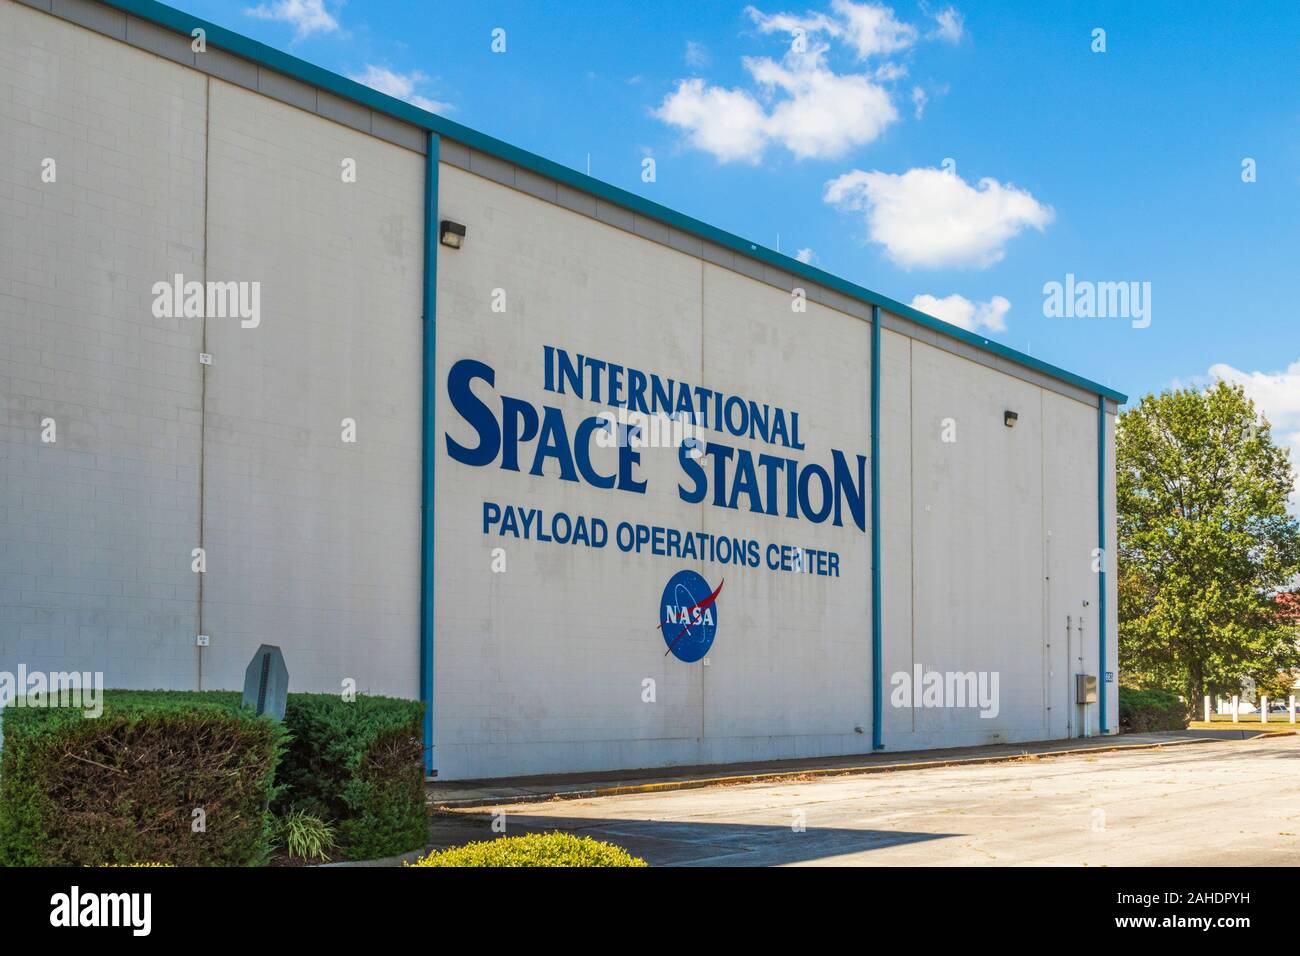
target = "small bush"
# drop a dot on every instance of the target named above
(122, 788)
(1142, 711)
(306, 837)
(360, 764)
(535, 849)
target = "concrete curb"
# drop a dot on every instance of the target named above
(410, 856)
(778, 776)
(1243, 734)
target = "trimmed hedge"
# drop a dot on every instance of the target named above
(122, 788)
(359, 765)
(535, 849)
(1142, 711)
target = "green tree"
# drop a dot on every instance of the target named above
(1205, 542)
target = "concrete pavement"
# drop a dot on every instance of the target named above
(1217, 803)
(459, 794)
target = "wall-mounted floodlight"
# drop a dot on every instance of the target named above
(451, 234)
(1009, 419)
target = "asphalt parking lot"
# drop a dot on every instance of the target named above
(1233, 803)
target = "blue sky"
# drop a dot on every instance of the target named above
(1115, 166)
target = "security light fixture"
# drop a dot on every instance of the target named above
(451, 234)
(1009, 419)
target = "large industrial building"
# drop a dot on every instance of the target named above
(284, 360)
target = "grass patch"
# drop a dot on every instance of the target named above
(306, 837)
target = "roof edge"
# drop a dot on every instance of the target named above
(263, 55)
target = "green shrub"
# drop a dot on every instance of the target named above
(1142, 711)
(535, 849)
(306, 837)
(124, 787)
(358, 764)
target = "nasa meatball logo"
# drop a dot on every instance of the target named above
(688, 616)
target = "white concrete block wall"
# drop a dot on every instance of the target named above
(96, 529)
(313, 543)
(792, 675)
(1112, 581)
(976, 518)
(897, 544)
(1070, 470)
(995, 549)
(541, 668)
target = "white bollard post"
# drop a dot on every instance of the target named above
(1235, 702)
(1263, 709)
(1291, 708)
(1207, 708)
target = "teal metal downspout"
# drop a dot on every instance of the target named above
(1104, 557)
(877, 667)
(429, 443)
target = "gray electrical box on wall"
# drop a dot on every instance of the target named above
(1085, 688)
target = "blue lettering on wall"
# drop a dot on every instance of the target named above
(739, 479)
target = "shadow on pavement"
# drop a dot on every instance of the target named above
(1234, 733)
(687, 843)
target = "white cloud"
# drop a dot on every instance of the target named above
(870, 29)
(823, 114)
(960, 311)
(730, 124)
(888, 72)
(806, 256)
(306, 16)
(1277, 396)
(919, 99)
(697, 55)
(799, 103)
(951, 25)
(399, 85)
(809, 23)
(873, 30)
(928, 217)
